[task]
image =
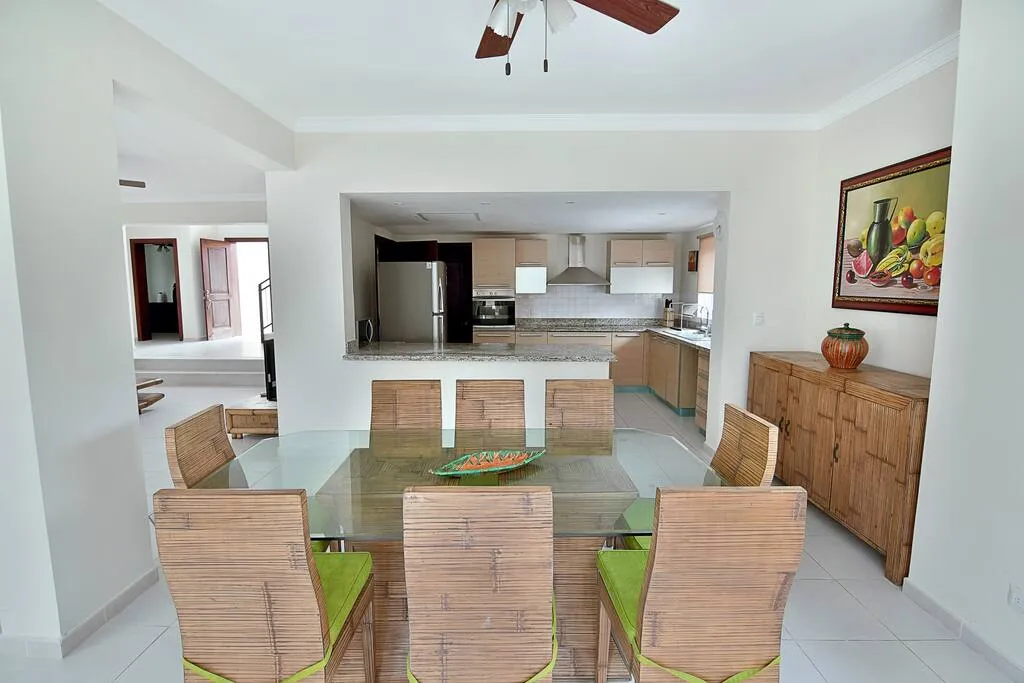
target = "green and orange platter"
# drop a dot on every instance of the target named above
(488, 462)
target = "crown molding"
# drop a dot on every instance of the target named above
(494, 123)
(171, 198)
(939, 54)
(925, 62)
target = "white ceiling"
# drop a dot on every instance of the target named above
(339, 58)
(550, 212)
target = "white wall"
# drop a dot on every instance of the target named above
(160, 275)
(968, 542)
(911, 121)
(28, 601)
(197, 213)
(364, 268)
(65, 217)
(768, 174)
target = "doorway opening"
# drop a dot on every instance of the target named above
(253, 258)
(155, 285)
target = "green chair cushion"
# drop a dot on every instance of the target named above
(343, 576)
(622, 572)
(320, 546)
(639, 515)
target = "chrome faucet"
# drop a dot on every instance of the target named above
(706, 319)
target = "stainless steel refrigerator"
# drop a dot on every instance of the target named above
(410, 301)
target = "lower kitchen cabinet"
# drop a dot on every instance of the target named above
(700, 411)
(531, 338)
(589, 338)
(628, 368)
(494, 337)
(854, 440)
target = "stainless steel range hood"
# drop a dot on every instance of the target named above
(577, 273)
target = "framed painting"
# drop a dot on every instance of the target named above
(892, 231)
(691, 261)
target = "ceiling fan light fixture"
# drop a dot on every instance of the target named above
(560, 14)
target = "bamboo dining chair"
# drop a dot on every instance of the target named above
(197, 447)
(745, 457)
(489, 404)
(748, 449)
(479, 576)
(579, 404)
(269, 609)
(709, 597)
(405, 404)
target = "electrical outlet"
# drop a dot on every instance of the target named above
(759, 318)
(1015, 598)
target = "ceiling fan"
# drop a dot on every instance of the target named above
(648, 16)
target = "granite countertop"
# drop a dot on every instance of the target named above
(586, 324)
(543, 353)
(608, 325)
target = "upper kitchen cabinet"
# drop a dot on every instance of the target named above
(639, 266)
(494, 263)
(531, 253)
(659, 253)
(625, 253)
(531, 266)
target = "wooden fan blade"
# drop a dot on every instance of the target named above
(648, 16)
(141, 184)
(493, 45)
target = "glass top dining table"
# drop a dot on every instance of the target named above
(603, 482)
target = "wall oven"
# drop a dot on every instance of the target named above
(494, 308)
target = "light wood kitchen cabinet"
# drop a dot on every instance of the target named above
(700, 411)
(603, 339)
(494, 337)
(494, 263)
(628, 368)
(625, 253)
(531, 337)
(531, 252)
(854, 440)
(658, 253)
(663, 372)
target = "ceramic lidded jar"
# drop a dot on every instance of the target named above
(845, 347)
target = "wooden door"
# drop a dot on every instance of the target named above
(220, 289)
(768, 396)
(531, 252)
(872, 442)
(628, 368)
(659, 252)
(810, 429)
(494, 263)
(625, 253)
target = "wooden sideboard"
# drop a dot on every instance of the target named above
(852, 439)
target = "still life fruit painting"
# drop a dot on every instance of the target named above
(892, 237)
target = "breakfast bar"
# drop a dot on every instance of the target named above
(533, 364)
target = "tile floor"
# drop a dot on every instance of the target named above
(844, 622)
(163, 347)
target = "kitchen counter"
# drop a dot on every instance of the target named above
(608, 325)
(585, 324)
(545, 353)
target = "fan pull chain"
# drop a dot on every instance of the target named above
(546, 30)
(511, 33)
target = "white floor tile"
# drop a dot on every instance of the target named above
(152, 608)
(818, 523)
(809, 569)
(796, 667)
(844, 556)
(957, 663)
(871, 661)
(160, 663)
(823, 610)
(99, 659)
(898, 612)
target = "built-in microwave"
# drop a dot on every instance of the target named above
(493, 308)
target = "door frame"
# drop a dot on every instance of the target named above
(140, 283)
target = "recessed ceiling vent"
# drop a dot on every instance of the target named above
(467, 219)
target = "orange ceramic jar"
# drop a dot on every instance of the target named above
(845, 347)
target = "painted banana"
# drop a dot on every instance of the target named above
(931, 250)
(896, 262)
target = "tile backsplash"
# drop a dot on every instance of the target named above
(588, 302)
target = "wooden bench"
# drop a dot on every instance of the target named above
(254, 415)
